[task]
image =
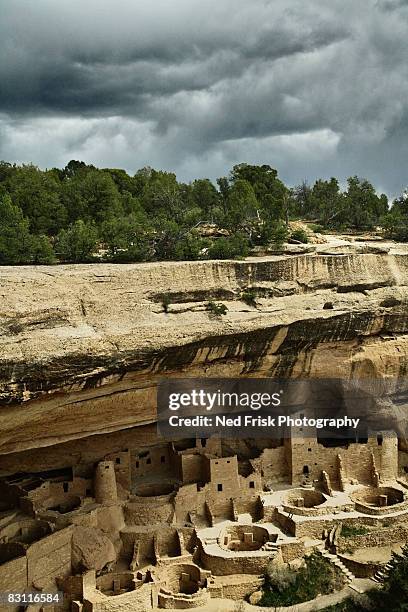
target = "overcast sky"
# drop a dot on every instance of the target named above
(314, 88)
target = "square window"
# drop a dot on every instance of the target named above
(117, 459)
(252, 485)
(148, 461)
(219, 487)
(162, 459)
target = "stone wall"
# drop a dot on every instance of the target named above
(235, 587)
(236, 564)
(49, 558)
(360, 569)
(51, 494)
(143, 542)
(122, 465)
(189, 502)
(380, 537)
(167, 542)
(169, 601)
(192, 468)
(273, 465)
(150, 461)
(13, 576)
(224, 479)
(308, 454)
(140, 600)
(146, 511)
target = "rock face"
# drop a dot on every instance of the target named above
(91, 550)
(82, 347)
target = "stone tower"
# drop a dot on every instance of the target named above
(105, 482)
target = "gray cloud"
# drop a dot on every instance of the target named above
(313, 88)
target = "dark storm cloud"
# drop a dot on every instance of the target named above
(314, 88)
(392, 5)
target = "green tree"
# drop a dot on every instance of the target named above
(167, 234)
(393, 597)
(273, 233)
(395, 222)
(396, 584)
(128, 238)
(241, 206)
(37, 193)
(100, 196)
(123, 181)
(190, 247)
(229, 248)
(269, 190)
(162, 196)
(6, 170)
(224, 187)
(17, 244)
(132, 205)
(41, 251)
(284, 587)
(191, 217)
(91, 195)
(327, 202)
(395, 225)
(15, 237)
(75, 168)
(141, 180)
(205, 196)
(301, 201)
(363, 207)
(77, 243)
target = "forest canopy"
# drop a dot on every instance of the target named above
(81, 213)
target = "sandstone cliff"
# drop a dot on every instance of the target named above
(82, 347)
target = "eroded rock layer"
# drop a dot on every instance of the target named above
(82, 347)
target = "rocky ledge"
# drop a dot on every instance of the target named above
(82, 347)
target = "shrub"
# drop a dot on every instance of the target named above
(276, 234)
(41, 250)
(249, 297)
(280, 577)
(17, 244)
(165, 301)
(285, 587)
(216, 309)
(300, 236)
(349, 531)
(190, 247)
(78, 242)
(317, 228)
(395, 226)
(229, 248)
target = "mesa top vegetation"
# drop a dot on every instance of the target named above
(82, 214)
